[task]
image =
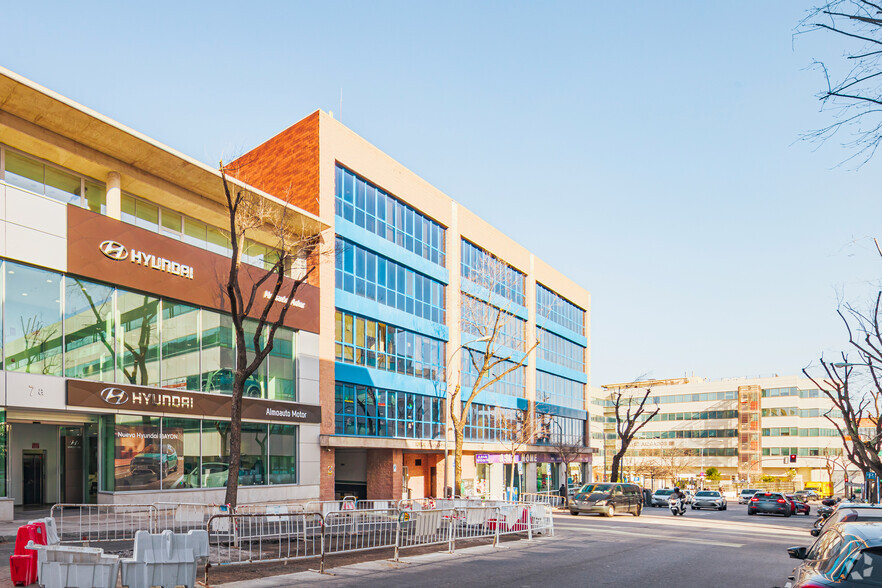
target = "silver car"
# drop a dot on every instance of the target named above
(709, 499)
(661, 496)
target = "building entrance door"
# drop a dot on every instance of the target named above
(33, 478)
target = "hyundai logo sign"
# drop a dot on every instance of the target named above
(114, 396)
(114, 250)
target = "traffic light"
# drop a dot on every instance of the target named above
(792, 458)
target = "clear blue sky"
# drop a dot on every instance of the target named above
(648, 150)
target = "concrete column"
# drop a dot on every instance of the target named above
(454, 312)
(530, 473)
(114, 196)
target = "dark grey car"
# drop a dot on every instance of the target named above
(848, 555)
(608, 499)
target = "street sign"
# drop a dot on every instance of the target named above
(871, 475)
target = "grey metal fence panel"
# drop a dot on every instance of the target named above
(91, 523)
(360, 530)
(253, 538)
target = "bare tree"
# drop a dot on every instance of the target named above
(853, 86)
(567, 448)
(499, 348)
(855, 388)
(631, 416)
(259, 296)
(520, 429)
(673, 461)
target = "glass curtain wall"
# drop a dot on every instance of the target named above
(149, 453)
(63, 325)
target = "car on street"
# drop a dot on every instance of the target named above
(689, 496)
(661, 496)
(769, 503)
(709, 499)
(848, 556)
(608, 499)
(847, 513)
(807, 495)
(745, 495)
(797, 505)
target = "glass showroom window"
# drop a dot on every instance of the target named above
(215, 453)
(217, 352)
(138, 320)
(32, 329)
(280, 367)
(89, 338)
(180, 450)
(141, 460)
(283, 454)
(180, 346)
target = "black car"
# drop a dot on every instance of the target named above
(769, 503)
(848, 555)
(798, 505)
(608, 499)
(847, 513)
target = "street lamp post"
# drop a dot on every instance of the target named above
(449, 408)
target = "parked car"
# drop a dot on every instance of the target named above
(159, 459)
(848, 556)
(769, 503)
(608, 499)
(660, 497)
(690, 496)
(797, 505)
(847, 513)
(745, 495)
(709, 499)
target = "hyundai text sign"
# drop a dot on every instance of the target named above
(117, 251)
(138, 399)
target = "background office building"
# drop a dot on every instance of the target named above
(747, 428)
(409, 268)
(116, 349)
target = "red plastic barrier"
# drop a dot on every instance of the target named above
(23, 562)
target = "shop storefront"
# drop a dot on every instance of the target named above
(117, 376)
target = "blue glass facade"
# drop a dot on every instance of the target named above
(559, 310)
(364, 273)
(559, 391)
(374, 344)
(366, 411)
(367, 206)
(560, 351)
(483, 269)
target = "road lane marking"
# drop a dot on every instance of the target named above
(691, 540)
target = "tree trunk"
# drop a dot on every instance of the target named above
(458, 435)
(614, 469)
(231, 496)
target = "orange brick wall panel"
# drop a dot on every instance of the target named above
(286, 166)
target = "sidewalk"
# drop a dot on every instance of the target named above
(364, 570)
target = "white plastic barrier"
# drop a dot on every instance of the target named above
(51, 531)
(167, 559)
(67, 566)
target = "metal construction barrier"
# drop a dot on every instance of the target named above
(326, 506)
(89, 523)
(359, 530)
(253, 538)
(184, 517)
(475, 522)
(553, 500)
(541, 520)
(425, 527)
(513, 518)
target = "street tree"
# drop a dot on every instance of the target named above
(631, 415)
(259, 297)
(520, 429)
(498, 346)
(852, 90)
(854, 386)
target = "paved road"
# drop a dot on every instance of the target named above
(702, 549)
